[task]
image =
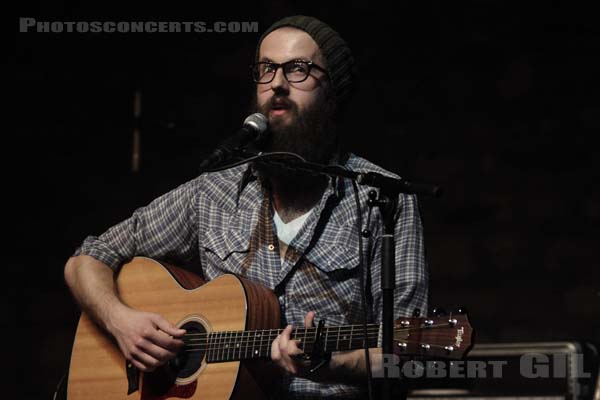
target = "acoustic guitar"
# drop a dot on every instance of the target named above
(230, 323)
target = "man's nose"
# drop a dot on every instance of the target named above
(279, 83)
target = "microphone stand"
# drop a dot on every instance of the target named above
(389, 189)
(387, 203)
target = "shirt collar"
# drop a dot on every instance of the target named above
(248, 176)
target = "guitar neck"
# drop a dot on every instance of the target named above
(241, 345)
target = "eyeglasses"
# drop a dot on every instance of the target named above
(295, 71)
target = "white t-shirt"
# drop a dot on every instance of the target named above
(287, 232)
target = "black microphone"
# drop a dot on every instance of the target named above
(254, 129)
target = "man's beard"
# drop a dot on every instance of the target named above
(310, 133)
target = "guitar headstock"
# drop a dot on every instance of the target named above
(448, 336)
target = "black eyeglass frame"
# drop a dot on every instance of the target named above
(310, 65)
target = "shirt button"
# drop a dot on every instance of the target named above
(271, 247)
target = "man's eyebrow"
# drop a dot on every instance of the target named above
(265, 59)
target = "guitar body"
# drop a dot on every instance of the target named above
(228, 303)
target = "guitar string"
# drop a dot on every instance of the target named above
(268, 341)
(226, 336)
(349, 328)
(255, 347)
(234, 335)
(229, 349)
(271, 337)
(342, 327)
(213, 345)
(248, 334)
(258, 349)
(264, 342)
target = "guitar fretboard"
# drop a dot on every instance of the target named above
(240, 345)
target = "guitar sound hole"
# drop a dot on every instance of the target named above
(189, 359)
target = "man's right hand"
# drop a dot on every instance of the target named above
(147, 340)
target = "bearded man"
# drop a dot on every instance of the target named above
(293, 233)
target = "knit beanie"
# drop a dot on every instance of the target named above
(337, 54)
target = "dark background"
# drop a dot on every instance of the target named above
(496, 102)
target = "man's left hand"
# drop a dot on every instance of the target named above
(286, 353)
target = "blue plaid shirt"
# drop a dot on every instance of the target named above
(226, 219)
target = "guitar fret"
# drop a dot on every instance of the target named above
(259, 346)
(227, 345)
(232, 345)
(215, 335)
(308, 345)
(220, 346)
(216, 346)
(303, 342)
(347, 342)
(236, 346)
(272, 335)
(224, 347)
(209, 348)
(265, 346)
(240, 345)
(215, 353)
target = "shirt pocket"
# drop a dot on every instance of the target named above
(335, 260)
(328, 282)
(226, 250)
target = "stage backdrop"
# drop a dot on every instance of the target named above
(496, 103)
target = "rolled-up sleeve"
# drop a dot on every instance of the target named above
(167, 228)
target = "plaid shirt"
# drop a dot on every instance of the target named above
(226, 220)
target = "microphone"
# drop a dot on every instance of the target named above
(254, 129)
